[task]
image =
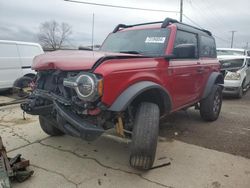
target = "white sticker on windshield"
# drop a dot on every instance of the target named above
(155, 40)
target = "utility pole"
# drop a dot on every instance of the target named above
(232, 40)
(93, 27)
(181, 10)
(247, 45)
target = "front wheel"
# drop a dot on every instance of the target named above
(210, 107)
(145, 135)
(240, 93)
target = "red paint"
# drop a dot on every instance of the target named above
(69, 59)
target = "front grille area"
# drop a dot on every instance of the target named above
(52, 81)
(230, 88)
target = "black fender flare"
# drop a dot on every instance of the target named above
(214, 78)
(129, 94)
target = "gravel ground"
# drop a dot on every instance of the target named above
(230, 133)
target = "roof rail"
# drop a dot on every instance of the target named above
(206, 31)
(167, 21)
(119, 26)
(201, 29)
(164, 24)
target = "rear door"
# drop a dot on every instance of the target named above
(184, 72)
(10, 66)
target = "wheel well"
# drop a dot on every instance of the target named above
(30, 75)
(219, 80)
(156, 96)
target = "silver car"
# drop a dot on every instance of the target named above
(236, 71)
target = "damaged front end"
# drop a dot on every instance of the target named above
(72, 99)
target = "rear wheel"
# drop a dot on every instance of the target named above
(47, 124)
(144, 137)
(210, 107)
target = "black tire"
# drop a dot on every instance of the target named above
(22, 84)
(48, 126)
(210, 107)
(240, 93)
(145, 136)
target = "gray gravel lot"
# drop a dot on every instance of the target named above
(230, 133)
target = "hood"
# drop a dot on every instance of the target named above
(226, 57)
(232, 63)
(71, 59)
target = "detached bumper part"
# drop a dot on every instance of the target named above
(76, 126)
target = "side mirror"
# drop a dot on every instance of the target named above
(183, 51)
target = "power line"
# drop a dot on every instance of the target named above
(181, 10)
(221, 39)
(143, 9)
(193, 22)
(122, 7)
(210, 18)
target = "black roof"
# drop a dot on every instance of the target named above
(165, 23)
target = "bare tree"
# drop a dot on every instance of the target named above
(54, 35)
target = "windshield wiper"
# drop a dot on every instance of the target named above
(130, 52)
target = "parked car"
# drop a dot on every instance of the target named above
(236, 71)
(15, 63)
(142, 72)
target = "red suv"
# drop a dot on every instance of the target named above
(141, 73)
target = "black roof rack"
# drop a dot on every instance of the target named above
(167, 21)
(120, 26)
(201, 29)
(164, 24)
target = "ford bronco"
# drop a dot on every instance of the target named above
(142, 72)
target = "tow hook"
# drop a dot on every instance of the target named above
(119, 127)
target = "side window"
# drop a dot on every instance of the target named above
(207, 47)
(183, 37)
(28, 50)
(8, 50)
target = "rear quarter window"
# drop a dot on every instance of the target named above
(207, 47)
(29, 50)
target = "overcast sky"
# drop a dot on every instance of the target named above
(20, 19)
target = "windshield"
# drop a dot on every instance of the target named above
(229, 52)
(232, 63)
(151, 42)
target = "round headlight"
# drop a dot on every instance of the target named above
(85, 86)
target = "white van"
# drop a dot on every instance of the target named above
(15, 62)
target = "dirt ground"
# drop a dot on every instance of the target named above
(201, 154)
